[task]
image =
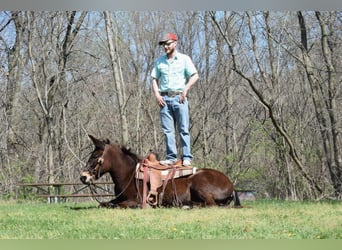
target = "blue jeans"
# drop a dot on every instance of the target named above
(172, 114)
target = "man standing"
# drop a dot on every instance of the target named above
(172, 76)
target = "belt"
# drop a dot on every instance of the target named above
(170, 93)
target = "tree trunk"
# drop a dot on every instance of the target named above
(117, 76)
(324, 99)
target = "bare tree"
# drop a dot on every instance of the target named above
(324, 95)
(112, 40)
(15, 58)
(47, 79)
(293, 152)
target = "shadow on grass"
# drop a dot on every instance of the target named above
(82, 207)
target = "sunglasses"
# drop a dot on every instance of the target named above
(167, 44)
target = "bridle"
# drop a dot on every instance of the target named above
(92, 186)
(97, 168)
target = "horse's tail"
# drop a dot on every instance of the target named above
(236, 199)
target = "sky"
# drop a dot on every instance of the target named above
(240, 5)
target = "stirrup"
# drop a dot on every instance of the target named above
(152, 198)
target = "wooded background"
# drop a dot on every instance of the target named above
(266, 110)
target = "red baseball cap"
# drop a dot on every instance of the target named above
(167, 37)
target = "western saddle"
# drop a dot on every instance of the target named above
(158, 175)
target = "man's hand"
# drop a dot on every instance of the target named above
(182, 97)
(160, 100)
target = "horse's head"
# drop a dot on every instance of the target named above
(96, 165)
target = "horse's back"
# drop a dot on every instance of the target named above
(213, 176)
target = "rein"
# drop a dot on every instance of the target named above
(93, 192)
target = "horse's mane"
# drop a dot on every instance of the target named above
(127, 151)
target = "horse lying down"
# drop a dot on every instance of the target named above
(205, 187)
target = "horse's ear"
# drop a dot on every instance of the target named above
(98, 143)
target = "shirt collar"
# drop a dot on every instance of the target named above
(175, 57)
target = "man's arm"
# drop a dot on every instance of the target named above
(192, 80)
(159, 98)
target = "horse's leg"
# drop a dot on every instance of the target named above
(177, 193)
(123, 204)
(107, 204)
(128, 204)
(207, 198)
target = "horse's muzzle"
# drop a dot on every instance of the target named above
(86, 178)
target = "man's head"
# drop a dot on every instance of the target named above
(168, 37)
(168, 42)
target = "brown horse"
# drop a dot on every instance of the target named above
(207, 187)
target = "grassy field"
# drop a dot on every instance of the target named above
(258, 220)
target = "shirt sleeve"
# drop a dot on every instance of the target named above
(155, 72)
(190, 68)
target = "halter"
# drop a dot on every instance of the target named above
(100, 161)
(92, 187)
(98, 165)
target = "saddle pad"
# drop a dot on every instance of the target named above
(182, 171)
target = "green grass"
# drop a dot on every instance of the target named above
(258, 220)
